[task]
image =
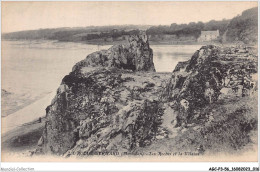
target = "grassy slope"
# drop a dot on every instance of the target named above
(233, 130)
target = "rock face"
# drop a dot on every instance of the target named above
(135, 55)
(211, 73)
(102, 105)
(103, 110)
(110, 103)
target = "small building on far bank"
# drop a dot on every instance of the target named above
(207, 36)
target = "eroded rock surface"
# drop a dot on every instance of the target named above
(103, 110)
(211, 74)
(110, 103)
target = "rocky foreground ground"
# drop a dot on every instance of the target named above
(114, 101)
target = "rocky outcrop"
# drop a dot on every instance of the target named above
(135, 55)
(109, 103)
(103, 110)
(103, 105)
(211, 73)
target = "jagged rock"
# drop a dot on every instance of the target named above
(97, 94)
(108, 109)
(211, 73)
(102, 106)
(135, 55)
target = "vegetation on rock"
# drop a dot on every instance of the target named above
(102, 106)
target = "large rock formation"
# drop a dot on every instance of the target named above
(102, 106)
(103, 110)
(112, 108)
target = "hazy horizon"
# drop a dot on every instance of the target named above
(21, 16)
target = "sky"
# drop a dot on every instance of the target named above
(17, 16)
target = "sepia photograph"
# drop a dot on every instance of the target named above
(119, 81)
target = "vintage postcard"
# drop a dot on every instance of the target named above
(129, 81)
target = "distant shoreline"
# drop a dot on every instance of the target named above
(97, 42)
(102, 43)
